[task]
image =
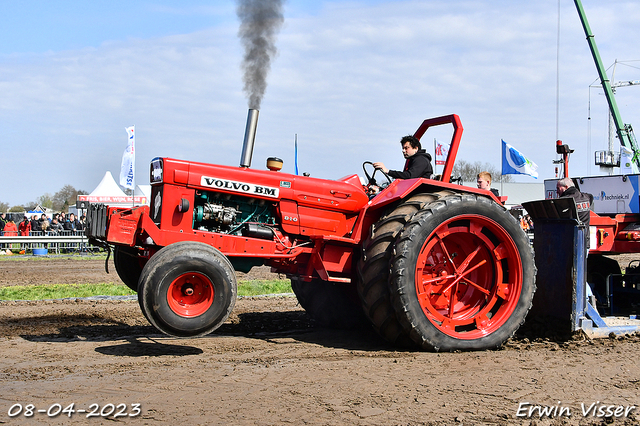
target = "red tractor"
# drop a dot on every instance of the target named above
(429, 262)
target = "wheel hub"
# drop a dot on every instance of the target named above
(190, 294)
(470, 281)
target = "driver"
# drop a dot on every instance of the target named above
(418, 164)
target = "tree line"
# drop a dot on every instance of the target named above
(469, 171)
(60, 201)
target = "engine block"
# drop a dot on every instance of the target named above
(230, 214)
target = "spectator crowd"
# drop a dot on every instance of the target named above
(41, 224)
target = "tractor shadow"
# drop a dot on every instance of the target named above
(64, 327)
(145, 340)
(140, 340)
(281, 327)
(135, 347)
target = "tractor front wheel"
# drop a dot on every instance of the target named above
(462, 277)
(187, 289)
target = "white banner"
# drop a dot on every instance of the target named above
(442, 151)
(110, 199)
(625, 161)
(127, 169)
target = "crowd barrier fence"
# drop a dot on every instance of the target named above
(56, 241)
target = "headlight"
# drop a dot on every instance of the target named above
(156, 170)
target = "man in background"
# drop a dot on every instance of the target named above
(584, 203)
(566, 188)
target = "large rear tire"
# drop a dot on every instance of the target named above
(187, 289)
(128, 266)
(329, 305)
(373, 268)
(463, 275)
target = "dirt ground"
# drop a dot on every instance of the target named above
(269, 365)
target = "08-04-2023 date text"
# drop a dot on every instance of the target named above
(94, 410)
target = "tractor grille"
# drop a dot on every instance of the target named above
(97, 221)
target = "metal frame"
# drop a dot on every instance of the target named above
(53, 242)
(624, 131)
(562, 214)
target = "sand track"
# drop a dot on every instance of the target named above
(268, 364)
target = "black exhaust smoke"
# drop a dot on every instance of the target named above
(260, 21)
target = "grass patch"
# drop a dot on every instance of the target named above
(258, 287)
(28, 257)
(62, 291)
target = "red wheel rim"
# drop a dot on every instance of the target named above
(190, 294)
(468, 277)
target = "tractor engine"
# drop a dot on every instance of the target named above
(230, 214)
(217, 213)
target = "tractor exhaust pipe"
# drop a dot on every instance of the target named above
(249, 138)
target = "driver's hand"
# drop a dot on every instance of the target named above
(380, 166)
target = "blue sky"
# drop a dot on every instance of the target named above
(350, 78)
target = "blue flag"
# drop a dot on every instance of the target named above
(514, 163)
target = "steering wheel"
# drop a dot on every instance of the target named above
(371, 178)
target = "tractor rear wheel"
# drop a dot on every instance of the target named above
(373, 267)
(128, 266)
(329, 305)
(187, 289)
(463, 275)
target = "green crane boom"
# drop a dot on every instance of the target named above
(624, 131)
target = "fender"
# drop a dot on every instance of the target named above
(401, 189)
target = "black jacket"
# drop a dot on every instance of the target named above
(35, 225)
(418, 165)
(584, 201)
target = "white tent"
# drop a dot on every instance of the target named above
(107, 187)
(143, 191)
